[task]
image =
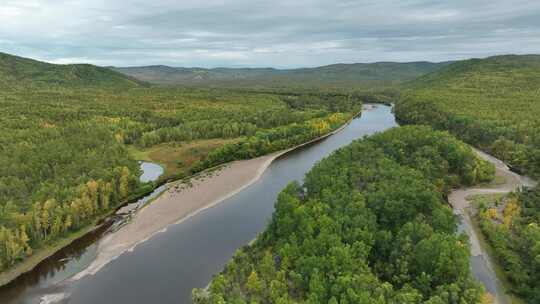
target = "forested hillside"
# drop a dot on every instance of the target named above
(23, 73)
(68, 150)
(337, 76)
(369, 225)
(493, 104)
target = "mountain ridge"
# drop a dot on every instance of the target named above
(339, 75)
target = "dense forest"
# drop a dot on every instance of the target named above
(493, 104)
(490, 103)
(68, 132)
(511, 226)
(369, 225)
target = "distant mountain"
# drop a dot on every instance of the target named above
(332, 76)
(22, 72)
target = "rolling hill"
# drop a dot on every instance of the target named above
(496, 71)
(23, 72)
(358, 75)
(492, 103)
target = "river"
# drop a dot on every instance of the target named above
(168, 266)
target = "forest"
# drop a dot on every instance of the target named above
(68, 134)
(369, 225)
(493, 104)
(490, 103)
(511, 228)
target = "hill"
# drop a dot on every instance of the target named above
(490, 103)
(358, 75)
(22, 72)
(494, 104)
(508, 71)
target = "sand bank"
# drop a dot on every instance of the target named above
(180, 202)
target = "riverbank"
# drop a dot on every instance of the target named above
(46, 252)
(182, 200)
(42, 254)
(460, 201)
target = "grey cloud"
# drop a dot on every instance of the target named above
(275, 33)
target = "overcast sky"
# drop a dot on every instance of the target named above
(277, 33)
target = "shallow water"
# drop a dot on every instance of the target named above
(151, 171)
(168, 266)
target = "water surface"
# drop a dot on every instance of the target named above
(150, 171)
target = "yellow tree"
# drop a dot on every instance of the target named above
(48, 208)
(105, 195)
(123, 185)
(254, 284)
(24, 240)
(92, 192)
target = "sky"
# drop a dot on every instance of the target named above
(276, 33)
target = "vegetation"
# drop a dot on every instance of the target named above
(179, 158)
(511, 228)
(336, 77)
(20, 73)
(267, 141)
(69, 135)
(490, 103)
(369, 225)
(493, 104)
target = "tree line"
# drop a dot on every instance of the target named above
(272, 140)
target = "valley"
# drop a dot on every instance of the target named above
(74, 196)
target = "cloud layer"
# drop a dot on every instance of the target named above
(278, 33)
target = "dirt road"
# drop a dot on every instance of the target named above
(481, 263)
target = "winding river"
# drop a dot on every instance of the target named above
(168, 266)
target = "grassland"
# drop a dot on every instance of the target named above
(178, 158)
